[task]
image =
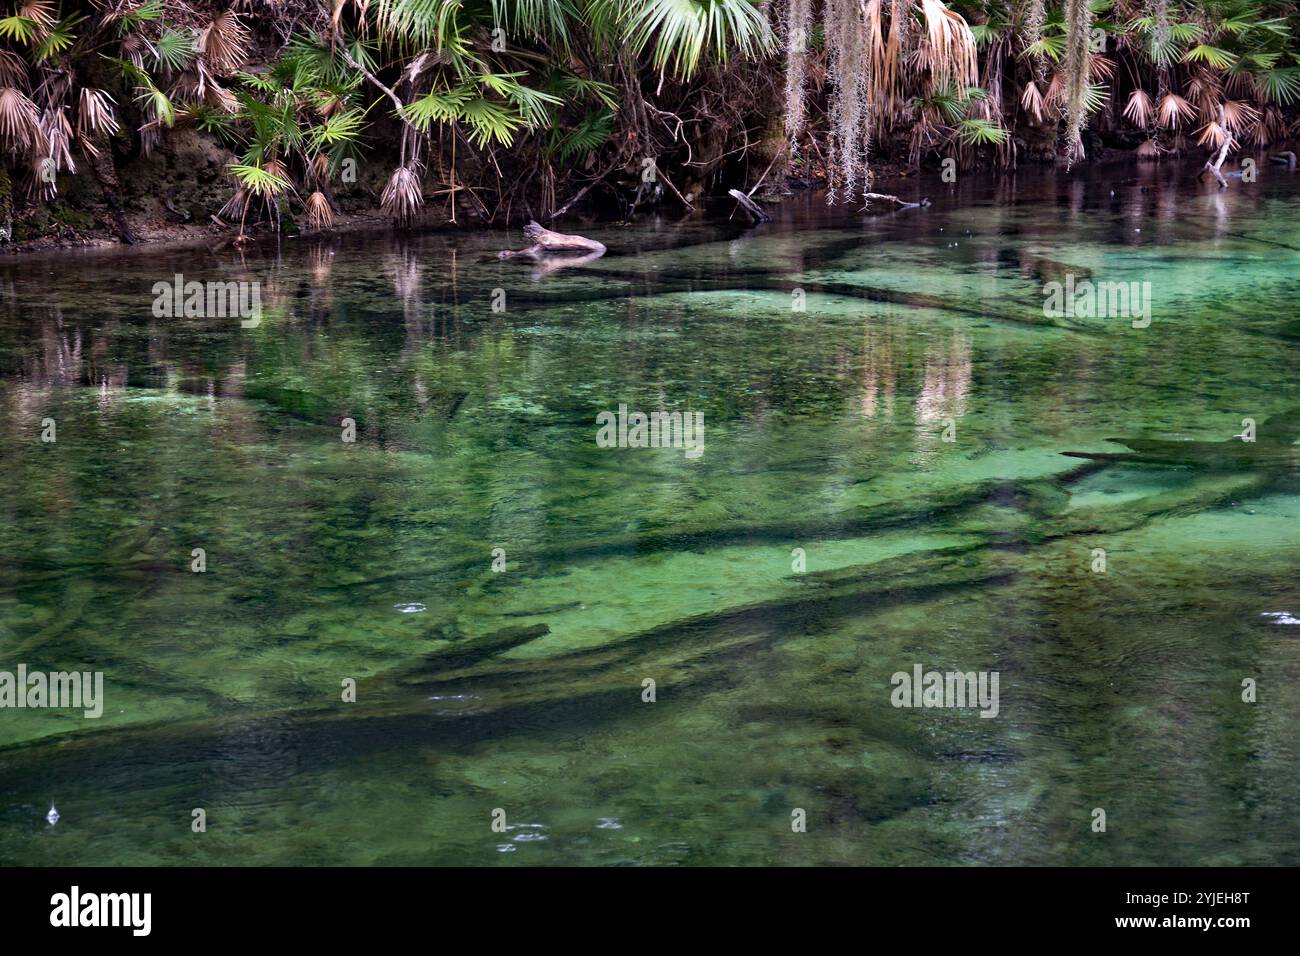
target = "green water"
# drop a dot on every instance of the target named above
(905, 431)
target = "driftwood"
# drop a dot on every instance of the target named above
(545, 242)
(754, 209)
(1286, 159)
(1213, 165)
(869, 198)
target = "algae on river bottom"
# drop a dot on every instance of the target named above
(825, 432)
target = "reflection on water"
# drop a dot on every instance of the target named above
(883, 486)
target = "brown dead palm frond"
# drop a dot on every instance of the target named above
(319, 167)
(13, 71)
(361, 7)
(328, 103)
(224, 42)
(880, 79)
(56, 132)
(319, 213)
(1212, 134)
(135, 48)
(1032, 100)
(403, 195)
(1239, 84)
(1140, 109)
(953, 58)
(20, 120)
(1055, 95)
(1206, 93)
(1239, 115)
(188, 87)
(278, 179)
(1174, 110)
(150, 136)
(236, 206)
(1269, 127)
(1100, 67)
(95, 113)
(40, 12)
(218, 97)
(898, 47)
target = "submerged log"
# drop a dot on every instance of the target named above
(545, 241)
(1271, 448)
(1286, 158)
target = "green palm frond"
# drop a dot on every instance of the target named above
(19, 29)
(1094, 97)
(1279, 85)
(539, 19)
(174, 49)
(257, 179)
(156, 103)
(981, 132)
(489, 120)
(1049, 46)
(682, 31)
(1186, 32)
(437, 107)
(591, 133)
(339, 128)
(431, 24)
(261, 82)
(58, 39)
(571, 87)
(1214, 56)
(219, 122)
(1262, 60)
(532, 104)
(147, 12)
(323, 61)
(987, 33)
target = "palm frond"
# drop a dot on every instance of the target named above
(19, 120)
(1140, 109)
(682, 31)
(265, 181)
(403, 195)
(319, 213)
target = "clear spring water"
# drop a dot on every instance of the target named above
(825, 431)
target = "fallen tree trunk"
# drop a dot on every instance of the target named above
(545, 241)
(869, 198)
(754, 209)
(1213, 165)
